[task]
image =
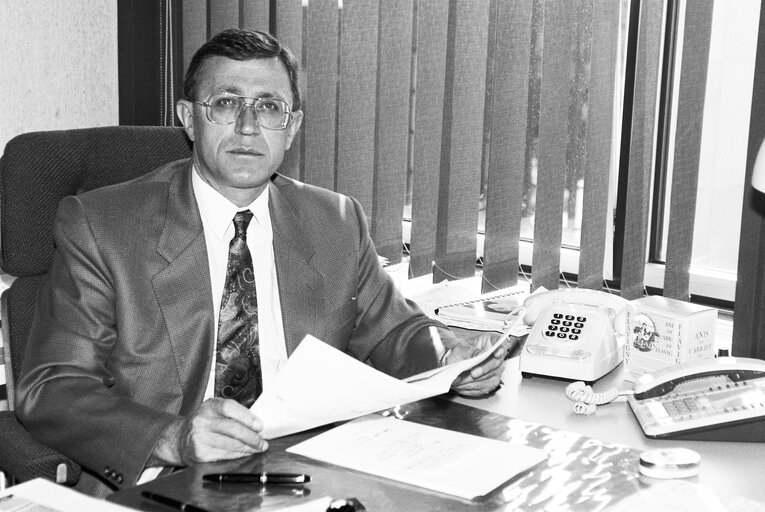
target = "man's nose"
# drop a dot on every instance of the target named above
(247, 123)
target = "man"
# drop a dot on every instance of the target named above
(128, 365)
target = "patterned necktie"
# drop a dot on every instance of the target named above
(237, 364)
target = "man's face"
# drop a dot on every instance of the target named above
(238, 159)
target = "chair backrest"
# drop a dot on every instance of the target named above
(37, 170)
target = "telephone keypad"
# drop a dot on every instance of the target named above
(564, 327)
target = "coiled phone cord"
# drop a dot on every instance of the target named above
(587, 400)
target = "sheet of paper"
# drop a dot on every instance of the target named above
(40, 495)
(430, 296)
(320, 385)
(441, 460)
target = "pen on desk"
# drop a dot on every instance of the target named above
(260, 478)
(171, 502)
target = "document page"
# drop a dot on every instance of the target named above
(320, 384)
(40, 495)
(441, 460)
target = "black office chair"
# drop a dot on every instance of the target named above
(37, 170)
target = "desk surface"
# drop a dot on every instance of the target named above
(593, 459)
(728, 468)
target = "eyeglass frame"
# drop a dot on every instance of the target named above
(288, 114)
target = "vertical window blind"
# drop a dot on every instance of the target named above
(423, 110)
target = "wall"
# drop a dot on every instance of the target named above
(58, 65)
(58, 70)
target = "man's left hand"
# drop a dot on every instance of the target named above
(484, 378)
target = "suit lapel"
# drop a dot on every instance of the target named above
(183, 288)
(301, 287)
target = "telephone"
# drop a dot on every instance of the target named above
(576, 334)
(719, 399)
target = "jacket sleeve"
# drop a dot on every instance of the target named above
(399, 338)
(68, 397)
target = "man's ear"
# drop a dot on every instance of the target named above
(183, 109)
(294, 126)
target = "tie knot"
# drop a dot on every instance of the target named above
(241, 221)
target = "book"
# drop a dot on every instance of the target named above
(663, 332)
(446, 461)
(495, 311)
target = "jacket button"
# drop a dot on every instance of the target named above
(119, 479)
(107, 471)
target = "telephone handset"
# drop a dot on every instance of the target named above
(576, 334)
(720, 399)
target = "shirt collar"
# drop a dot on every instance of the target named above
(218, 212)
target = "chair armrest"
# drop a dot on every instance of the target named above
(23, 458)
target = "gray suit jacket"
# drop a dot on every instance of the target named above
(122, 341)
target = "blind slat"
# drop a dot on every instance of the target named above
(356, 101)
(194, 30)
(748, 320)
(319, 124)
(255, 15)
(462, 140)
(642, 147)
(289, 30)
(223, 14)
(506, 121)
(392, 130)
(685, 172)
(553, 138)
(600, 108)
(431, 36)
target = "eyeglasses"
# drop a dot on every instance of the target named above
(225, 108)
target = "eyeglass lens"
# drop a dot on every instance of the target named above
(226, 108)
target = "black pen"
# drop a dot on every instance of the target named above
(170, 502)
(258, 478)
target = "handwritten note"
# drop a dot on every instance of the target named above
(441, 460)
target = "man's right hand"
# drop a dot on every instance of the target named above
(221, 429)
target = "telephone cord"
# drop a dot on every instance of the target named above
(587, 400)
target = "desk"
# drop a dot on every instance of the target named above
(728, 468)
(593, 459)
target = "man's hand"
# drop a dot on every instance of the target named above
(484, 378)
(220, 429)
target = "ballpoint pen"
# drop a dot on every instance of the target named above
(171, 502)
(260, 478)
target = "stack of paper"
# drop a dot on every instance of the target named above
(40, 495)
(442, 460)
(495, 311)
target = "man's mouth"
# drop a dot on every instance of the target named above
(244, 151)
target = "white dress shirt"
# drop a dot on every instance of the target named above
(217, 220)
(218, 223)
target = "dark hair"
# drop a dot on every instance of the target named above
(242, 45)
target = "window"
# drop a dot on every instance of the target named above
(722, 163)
(723, 146)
